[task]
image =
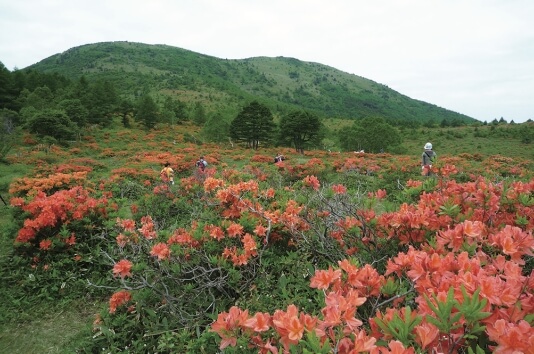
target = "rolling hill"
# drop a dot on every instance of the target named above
(225, 85)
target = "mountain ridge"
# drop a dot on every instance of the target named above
(283, 83)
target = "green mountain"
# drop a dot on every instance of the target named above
(225, 85)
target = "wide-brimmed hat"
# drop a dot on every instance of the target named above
(428, 146)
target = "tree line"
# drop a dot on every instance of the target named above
(57, 110)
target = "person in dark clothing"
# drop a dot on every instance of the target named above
(201, 163)
(427, 159)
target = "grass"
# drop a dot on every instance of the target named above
(55, 332)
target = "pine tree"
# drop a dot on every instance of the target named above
(301, 129)
(254, 124)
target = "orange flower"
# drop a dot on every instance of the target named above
(216, 232)
(160, 250)
(260, 230)
(295, 328)
(71, 240)
(380, 194)
(396, 348)
(425, 334)
(122, 268)
(126, 224)
(473, 229)
(45, 244)
(312, 181)
(363, 343)
(323, 278)
(249, 244)
(269, 193)
(234, 230)
(211, 184)
(339, 189)
(118, 299)
(228, 324)
(260, 322)
(121, 240)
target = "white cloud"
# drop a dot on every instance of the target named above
(471, 56)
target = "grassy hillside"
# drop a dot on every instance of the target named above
(222, 84)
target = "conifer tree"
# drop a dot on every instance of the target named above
(301, 129)
(147, 112)
(253, 125)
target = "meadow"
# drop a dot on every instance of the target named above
(325, 252)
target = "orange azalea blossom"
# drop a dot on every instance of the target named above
(511, 337)
(514, 242)
(425, 334)
(147, 228)
(71, 241)
(126, 224)
(341, 309)
(118, 299)
(324, 278)
(160, 250)
(17, 202)
(122, 268)
(339, 189)
(288, 325)
(448, 170)
(215, 232)
(473, 229)
(228, 324)
(122, 240)
(456, 238)
(380, 194)
(270, 193)
(362, 343)
(260, 322)
(234, 230)
(395, 347)
(413, 184)
(182, 237)
(260, 230)
(366, 280)
(210, 184)
(349, 222)
(312, 181)
(249, 245)
(45, 245)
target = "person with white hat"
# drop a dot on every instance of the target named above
(428, 157)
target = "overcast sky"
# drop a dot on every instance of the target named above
(474, 57)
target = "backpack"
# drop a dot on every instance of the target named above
(205, 163)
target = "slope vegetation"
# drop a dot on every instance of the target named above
(282, 83)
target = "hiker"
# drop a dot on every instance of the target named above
(201, 163)
(167, 174)
(427, 159)
(279, 158)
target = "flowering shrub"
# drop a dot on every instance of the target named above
(330, 253)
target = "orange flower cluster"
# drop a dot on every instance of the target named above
(161, 251)
(48, 212)
(311, 181)
(469, 217)
(49, 184)
(122, 268)
(118, 299)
